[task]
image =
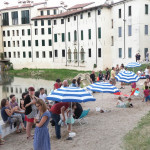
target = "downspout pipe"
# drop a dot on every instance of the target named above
(31, 35)
(52, 39)
(96, 33)
(78, 39)
(66, 40)
(124, 30)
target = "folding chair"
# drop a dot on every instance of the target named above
(82, 117)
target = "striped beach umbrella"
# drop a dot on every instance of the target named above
(102, 87)
(133, 64)
(127, 77)
(70, 94)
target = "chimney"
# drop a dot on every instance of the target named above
(19, 3)
(6, 4)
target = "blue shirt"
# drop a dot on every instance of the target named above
(4, 114)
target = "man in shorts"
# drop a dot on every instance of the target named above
(113, 74)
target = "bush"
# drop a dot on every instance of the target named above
(95, 66)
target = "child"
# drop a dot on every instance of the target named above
(1, 140)
(128, 104)
(145, 84)
(133, 86)
(120, 103)
(70, 119)
(146, 94)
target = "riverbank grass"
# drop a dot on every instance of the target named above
(139, 137)
(47, 74)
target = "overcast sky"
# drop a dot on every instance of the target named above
(55, 2)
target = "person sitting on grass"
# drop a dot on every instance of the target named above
(146, 94)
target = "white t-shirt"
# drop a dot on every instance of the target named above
(122, 70)
(121, 103)
(146, 71)
(43, 97)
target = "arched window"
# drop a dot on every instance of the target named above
(75, 54)
(69, 54)
(82, 54)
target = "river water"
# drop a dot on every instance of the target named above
(16, 85)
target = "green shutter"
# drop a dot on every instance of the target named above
(29, 32)
(36, 43)
(30, 55)
(49, 30)
(42, 22)
(29, 43)
(89, 33)
(99, 33)
(75, 35)
(146, 9)
(63, 37)
(68, 36)
(24, 55)
(23, 43)
(49, 22)
(50, 42)
(43, 42)
(81, 34)
(55, 37)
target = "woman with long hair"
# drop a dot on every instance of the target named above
(41, 134)
(8, 115)
(30, 110)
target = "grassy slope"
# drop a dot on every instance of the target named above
(139, 137)
(48, 74)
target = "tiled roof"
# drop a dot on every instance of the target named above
(49, 7)
(80, 5)
(67, 13)
(22, 6)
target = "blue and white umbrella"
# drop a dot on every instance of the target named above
(102, 87)
(127, 77)
(70, 94)
(133, 64)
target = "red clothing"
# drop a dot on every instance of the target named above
(29, 119)
(133, 85)
(56, 109)
(146, 93)
(57, 85)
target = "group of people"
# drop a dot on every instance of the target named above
(109, 75)
(35, 109)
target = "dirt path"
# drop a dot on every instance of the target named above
(103, 131)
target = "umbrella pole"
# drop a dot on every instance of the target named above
(71, 117)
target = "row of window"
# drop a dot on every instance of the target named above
(62, 20)
(25, 19)
(43, 54)
(130, 11)
(48, 12)
(130, 30)
(129, 52)
(16, 32)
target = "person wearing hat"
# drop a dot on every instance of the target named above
(31, 110)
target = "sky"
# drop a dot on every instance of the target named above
(56, 2)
